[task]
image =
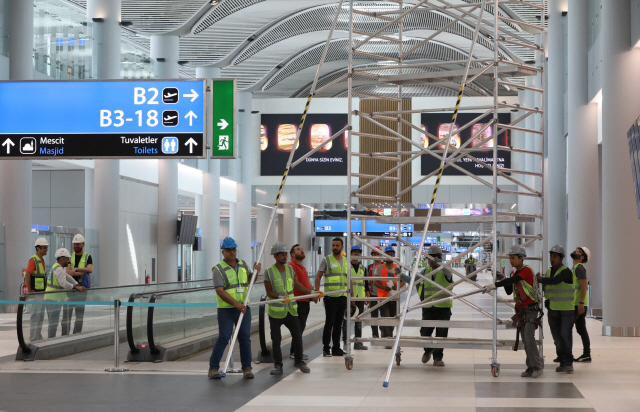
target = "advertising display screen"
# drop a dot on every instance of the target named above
(337, 227)
(439, 124)
(278, 132)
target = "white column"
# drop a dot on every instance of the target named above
(88, 199)
(620, 223)
(165, 47)
(583, 163)
(262, 221)
(306, 222)
(106, 197)
(242, 215)
(290, 235)
(556, 150)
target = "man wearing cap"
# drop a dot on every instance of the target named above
(278, 283)
(35, 278)
(528, 312)
(231, 278)
(334, 269)
(386, 289)
(81, 263)
(360, 289)
(58, 283)
(581, 256)
(373, 292)
(559, 293)
(439, 311)
(301, 286)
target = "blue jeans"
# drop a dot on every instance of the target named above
(227, 319)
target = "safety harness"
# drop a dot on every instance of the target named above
(520, 318)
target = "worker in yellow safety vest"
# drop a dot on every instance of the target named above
(36, 281)
(581, 256)
(360, 290)
(80, 267)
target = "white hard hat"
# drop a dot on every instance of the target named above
(78, 238)
(62, 252)
(42, 242)
(587, 253)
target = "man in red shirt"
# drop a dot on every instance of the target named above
(301, 286)
(524, 289)
(373, 292)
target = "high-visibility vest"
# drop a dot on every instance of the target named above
(426, 289)
(527, 288)
(382, 271)
(39, 277)
(81, 265)
(235, 284)
(53, 285)
(335, 276)
(562, 295)
(279, 310)
(576, 283)
(358, 285)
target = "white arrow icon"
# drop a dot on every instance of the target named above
(193, 95)
(191, 143)
(223, 124)
(191, 115)
(8, 143)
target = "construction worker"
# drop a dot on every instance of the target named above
(373, 292)
(278, 283)
(36, 281)
(386, 288)
(581, 256)
(440, 311)
(58, 283)
(359, 289)
(334, 268)
(301, 286)
(231, 279)
(470, 266)
(81, 264)
(559, 293)
(528, 311)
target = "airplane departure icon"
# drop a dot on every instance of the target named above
(170, 118)
(170, 95)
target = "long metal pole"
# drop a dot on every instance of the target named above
(494, 249)
(347, 354)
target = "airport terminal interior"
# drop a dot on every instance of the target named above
(349, 205)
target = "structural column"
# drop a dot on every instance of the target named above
(306, 222)
(290, 235)
(16, 175)
(243, 204)
(263, 215)
(583, 173)
(210, 193)
(620, 224)
(166, 48)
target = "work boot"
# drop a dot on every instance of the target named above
(568, 368)
(302, 366)
(426, 357)
(527, 373)
(536, 373)
(326, 353)
(359, 346)
(337, 352)
(214, 374)
(247, 373)
(277, 370)
(304, 356)
(438, 362)
(585, 357)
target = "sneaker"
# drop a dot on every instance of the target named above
(326, 353)
(277, 370)
(337, 352)
(584, 358)
(214, 374)
(426, 357)
(359, 346)
(438, 362)
(568, 368)
(302, 366)
(527, 374)
(536, 373)
(560, 368)
(247, 373)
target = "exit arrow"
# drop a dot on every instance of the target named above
(223, 124)
(8, 143)
(193, 95)
(191, 143)
(191, 115)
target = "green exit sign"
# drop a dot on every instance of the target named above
(223, 114)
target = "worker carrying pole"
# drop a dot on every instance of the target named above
(522, 283)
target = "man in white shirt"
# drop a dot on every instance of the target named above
(57, 284)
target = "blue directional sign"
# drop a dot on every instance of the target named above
(387, 229)
(103, 119)
(337, 227)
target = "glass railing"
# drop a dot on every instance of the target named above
(37, 323)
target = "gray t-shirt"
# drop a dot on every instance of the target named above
(323, 264)
(581, 272)
(218, 280)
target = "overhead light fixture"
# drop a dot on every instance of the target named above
(98, 20)
(268, 207)
(161, 59)
(310, 207)
(126, 23)
(183, 62)
(252, 38)
(255, 111)
(214, 2)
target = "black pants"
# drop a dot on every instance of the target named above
(374, 314)
(388, 310)
(581, 327)
(561, 325)
(434, 313)
(303, 314)
(334, 309)
(293, 324)
(358, 327)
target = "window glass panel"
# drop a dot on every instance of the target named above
(486, 134)
(443, 132)
(320, 133)
(263, 138)
(286, 137)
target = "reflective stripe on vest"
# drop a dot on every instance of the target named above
(578, 286)
(335, 276)
(279, 310)
(527, 288)
(233, 281)
(38, 282)
(53, 285)
(561, 296)
(358, 285)
(83, 260)
(383, 272)
(426, 289)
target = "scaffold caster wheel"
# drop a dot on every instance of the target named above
(348, 363)
(398, 358)
(495, 370)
